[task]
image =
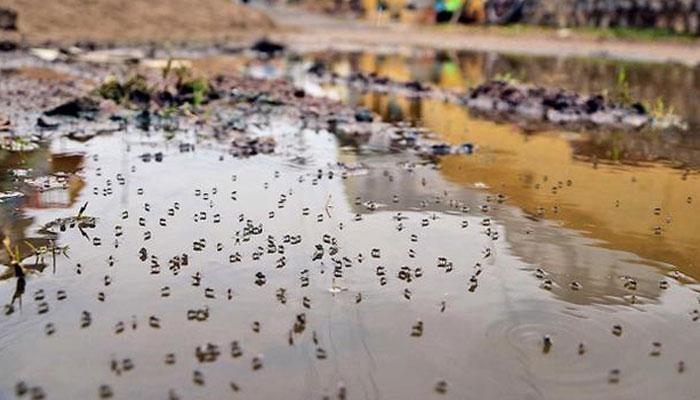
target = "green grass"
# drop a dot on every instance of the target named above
(621, 92)
(507, 77)
(199, 87)
(112, 89)
(659, 109)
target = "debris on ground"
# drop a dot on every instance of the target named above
(8, 19)
(561, 107)
(5, 123)
(268, 48)
(82, 107)
(243, 145)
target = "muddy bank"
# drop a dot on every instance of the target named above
(513, 101)
(221, 108)
(518, 102)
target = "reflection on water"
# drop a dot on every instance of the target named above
(635, 192)
(676, 85)
(648, 209)
(488, 304)
(46, 180)
(565, 254)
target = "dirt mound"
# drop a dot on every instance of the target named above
(134, 21)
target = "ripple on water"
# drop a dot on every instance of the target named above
(562, 368)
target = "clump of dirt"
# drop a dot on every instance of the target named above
(134, 21)
(8, 19)
(268, 47)
(8, 27)
(562, 107)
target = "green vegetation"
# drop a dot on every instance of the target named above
(621, 92)
(179, 81)
(12, 255)
(507, 77)
(659, 109)
(199, 89)
(615, 151)
(187, 83)
(112, 89)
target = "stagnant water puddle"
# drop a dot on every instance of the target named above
(531, 269)
(629, 191)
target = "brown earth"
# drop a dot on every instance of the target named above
(313, 31)
(135, 21)
(123, 22)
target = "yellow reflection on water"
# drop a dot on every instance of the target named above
(651, 210)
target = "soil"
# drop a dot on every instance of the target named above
(325, 32)
(134, 21)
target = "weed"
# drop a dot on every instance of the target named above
(659, 109)
(111, 89)
(506, 77)
(168, 68)
(198, 88)
(621, 91)
(120, 93)
(12, 255)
